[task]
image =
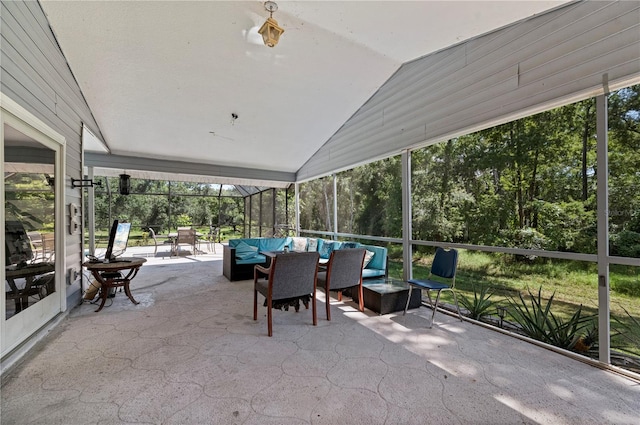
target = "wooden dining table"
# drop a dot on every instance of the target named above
(29, 273)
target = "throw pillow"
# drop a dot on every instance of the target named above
(299, 244)
(313, 245)
(325, 249)
(346, 245)
(368, 256)
(244, 251)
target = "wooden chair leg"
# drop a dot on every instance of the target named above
(269, 314)
(328, 307)
(339, 295)
(360, 298)
(313, 309)
(255, 304)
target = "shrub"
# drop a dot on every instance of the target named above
(628, 331)
(532, 320)
(480, 305)
(526, 238)
(183, 220)
(568, 226)
(625, 244)
(538, 321)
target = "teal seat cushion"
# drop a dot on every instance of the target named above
(244, 251)
(372, 273)
(257, 259)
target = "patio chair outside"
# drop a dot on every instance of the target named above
(290, 275)
(344, 270)
(444, 265)
(155, 240)
(208, 240)
(48, 247)
(35, 238)
(185, 237)
(213, 237)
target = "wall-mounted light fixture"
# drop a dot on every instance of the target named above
(270, 31)
(125, 184)
(84, 183)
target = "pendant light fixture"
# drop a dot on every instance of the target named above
(270, 31)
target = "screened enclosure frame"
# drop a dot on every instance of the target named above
(602, 258)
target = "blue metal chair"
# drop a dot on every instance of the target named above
(444, 265)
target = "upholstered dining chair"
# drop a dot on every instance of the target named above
(290, 275)
(444, 266)
(344, 270)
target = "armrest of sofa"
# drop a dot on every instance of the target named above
(228, 260)
(379, 264)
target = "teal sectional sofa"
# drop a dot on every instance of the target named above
(241, 255)
(376, 260)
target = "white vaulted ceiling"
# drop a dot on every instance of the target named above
(163, 78)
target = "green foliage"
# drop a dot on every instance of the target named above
(538, 321)
(524, 239)
(589, 340)
(154, 203)
(183, 220)
(625, 282)
(532, 319)
(480, 305)
(625, 244)
(565, 334)
(628, 330)
(569, 226)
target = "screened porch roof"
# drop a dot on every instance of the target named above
(164, 78)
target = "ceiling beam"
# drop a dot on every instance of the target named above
(231, 175)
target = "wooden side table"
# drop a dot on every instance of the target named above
(115, 274)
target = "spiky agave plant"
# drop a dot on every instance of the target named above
(629, 331)
(480, 305)
(532, 318)
(565, 334)
(589, 339)
(538, 321)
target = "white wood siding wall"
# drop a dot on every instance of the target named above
(530, 66)
(35, 74)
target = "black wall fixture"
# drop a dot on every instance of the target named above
(125, 184)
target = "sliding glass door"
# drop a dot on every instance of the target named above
(31, 166)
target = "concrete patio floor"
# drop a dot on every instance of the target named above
(191, 353)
